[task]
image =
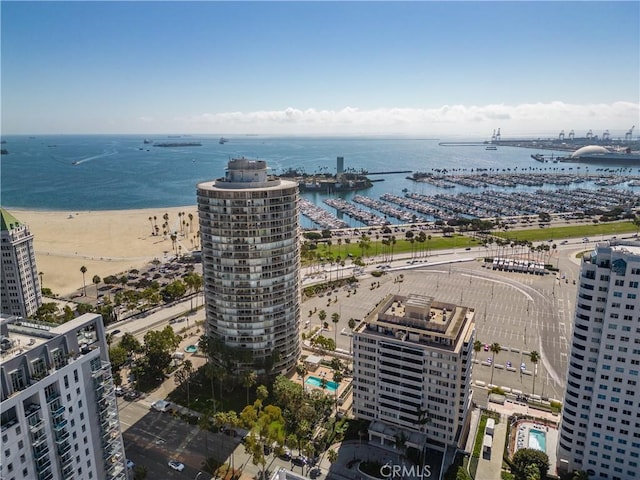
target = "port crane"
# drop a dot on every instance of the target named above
(561, 136)
(606, 136)
(572, 135)
(589, 135)
(498, 135)
(493, 135)
(629, 135)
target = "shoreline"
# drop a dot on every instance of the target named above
(106, 242)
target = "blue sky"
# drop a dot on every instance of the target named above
(320, 68)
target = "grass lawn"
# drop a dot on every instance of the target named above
(591, 231)
(402, 247)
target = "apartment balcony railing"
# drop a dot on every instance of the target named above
(40, 452)
(54, 396)
(66, 458)
(46, 474)
(60, 425)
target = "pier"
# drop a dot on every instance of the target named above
(392, 172)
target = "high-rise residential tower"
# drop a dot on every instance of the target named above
(600, 428)
(412, 363)
(251, 266)
(59, 412)
(20, 293)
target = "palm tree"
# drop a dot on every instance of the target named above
(580, 475)
(151, 222)
(495, 349)
(187, 367)
(83, 269)
(41, 275)
(96, 281)
(322, 315)
(535, 357)
(335, 318)
(477, 346)
(249, 379)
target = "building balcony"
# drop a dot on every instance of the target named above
(57, 411)
(60, 426)
(43, 464)
(40, 452)
(46, 474)
(114, 470)
(51, 398)
(66, 458)
(64, 448)
(67, 472)
(36, 425)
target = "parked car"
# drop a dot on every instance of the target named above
(285, 454)
(131, 395)
(176, 465)
(299, 461)
(119, 391)
(130, 464)
(161, 405)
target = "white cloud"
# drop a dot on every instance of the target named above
(524, 119)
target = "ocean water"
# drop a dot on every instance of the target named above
(104, 172)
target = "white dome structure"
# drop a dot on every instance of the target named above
(589, 150)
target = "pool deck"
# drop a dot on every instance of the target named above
(519, 438)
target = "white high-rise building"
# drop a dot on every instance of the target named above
(600, 428)
(59, 414)
(412, 372)
(20, 293)
(251, 267)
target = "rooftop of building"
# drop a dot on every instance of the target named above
(7, 221)
(419, 319)
(19, 335)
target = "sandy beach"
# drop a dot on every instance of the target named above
(105, 242)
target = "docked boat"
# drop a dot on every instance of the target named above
(491, 147)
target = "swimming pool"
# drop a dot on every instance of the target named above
(538, 440)
(316, 382)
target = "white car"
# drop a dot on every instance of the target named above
(130, 464)
(161, 405)
(176, 465)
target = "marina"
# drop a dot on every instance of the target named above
(435, 183)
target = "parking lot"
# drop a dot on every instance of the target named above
(520, 311)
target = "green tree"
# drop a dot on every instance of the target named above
(46, 312)
(194, 283)
(174, 291)
(130, 343)
(335, 318)
(159, 345)
(83, 270)
(182, 377)
(579, 475)
(477, 346)
(249, 379)
(495, 349)
(535, 357)
(96, 281)
(118, 357)
(332, 456)
(529, 456)
(139, 472)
